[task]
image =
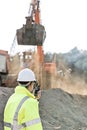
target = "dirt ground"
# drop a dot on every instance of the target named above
(59, 110)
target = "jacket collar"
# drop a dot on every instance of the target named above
(23, 90)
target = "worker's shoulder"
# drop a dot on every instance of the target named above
(31, 100)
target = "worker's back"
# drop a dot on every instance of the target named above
(22, 111)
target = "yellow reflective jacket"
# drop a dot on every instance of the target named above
(21, 111)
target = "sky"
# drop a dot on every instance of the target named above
(65, 23)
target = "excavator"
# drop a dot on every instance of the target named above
(33, 32)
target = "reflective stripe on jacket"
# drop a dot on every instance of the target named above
(21, 111)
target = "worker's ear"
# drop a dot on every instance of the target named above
(30, 87)
(30, 83)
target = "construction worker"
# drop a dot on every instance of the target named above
(22, 111)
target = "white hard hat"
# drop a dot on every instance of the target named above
(26, 75)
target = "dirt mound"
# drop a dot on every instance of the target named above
(59, 110)
(63, 111)
(4, 95)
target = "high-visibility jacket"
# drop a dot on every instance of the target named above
(21, 111)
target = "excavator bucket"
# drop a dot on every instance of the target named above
(31, 34)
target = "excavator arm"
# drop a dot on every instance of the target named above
(33, 32)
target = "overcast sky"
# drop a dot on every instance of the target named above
(65, 22)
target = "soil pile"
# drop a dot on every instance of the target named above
(59, 110)
(63, 111)
(4, 95)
